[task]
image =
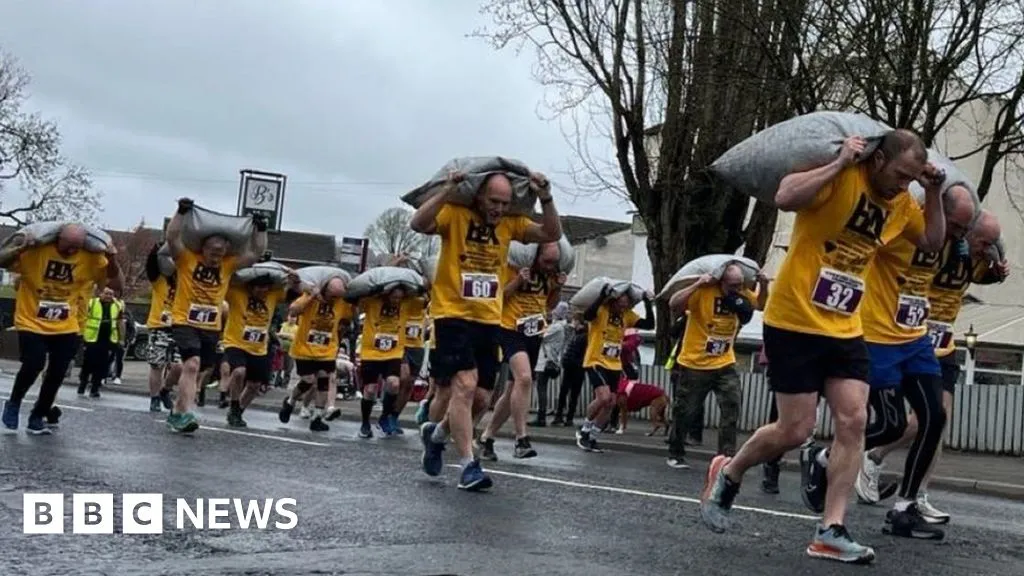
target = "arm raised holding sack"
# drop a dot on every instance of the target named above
(800, 189)
(550, 228)
(424, 219)
(257, 243)
(174, 227)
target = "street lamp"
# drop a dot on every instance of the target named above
(971, 340)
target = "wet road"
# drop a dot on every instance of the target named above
(364, 507)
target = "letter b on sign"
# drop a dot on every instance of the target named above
(43, 513)
(93, 513)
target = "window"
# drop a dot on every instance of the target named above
(996, 378)
(999, 366)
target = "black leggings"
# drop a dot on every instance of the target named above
(38, 351)
(572, 384)
(924, 394)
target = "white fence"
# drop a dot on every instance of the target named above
(986, 418)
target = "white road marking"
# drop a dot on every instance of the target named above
(255, 435)
(631, 492)
(62, 406)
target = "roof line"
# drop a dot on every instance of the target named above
(1001, 327)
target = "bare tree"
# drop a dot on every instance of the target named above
(390, 234)
(31, 160)
(133, 248)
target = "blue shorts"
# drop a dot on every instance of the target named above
(891, 362)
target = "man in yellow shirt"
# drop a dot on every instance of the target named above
(845, 211)
(203, 279)
(52, 277)
(161, 353)
(381, 361)
(530, 294)
(322, 313)
(465, 301)
(706, 361)
(414, 310)
(251, 309)
(607, 319)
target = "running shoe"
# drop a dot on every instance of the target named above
(10, 415)
(182, 423)
(305, 413)
(474, 479)
(53, 417)
(165, 399)
(678, 463)
(486, 449)
(931, 514)
(433, 452)
(583, 439)
(770, 482)
(235, 418)
(318, 425)
(813, 479)
(396, 428)
(422, 412)
(154, 404)
(37, 426)
(332, 413)
(910, 523)
(835, 543)
(866, 484)
(717, 496)
(285, 413)
(365, 431)
(384, 423)
(594, 446)
(523, 449)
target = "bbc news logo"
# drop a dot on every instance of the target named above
(144, 513)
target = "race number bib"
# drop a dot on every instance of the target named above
(203, 315)
(941, 334)
(837, 292)
(254, 335)
(480, 286)
(385, 342)
(53, 311)
(165, 318)
(717, 346)
(318, 338)
(530, 325)
(911, 311)
(413, 330)
(609, 350)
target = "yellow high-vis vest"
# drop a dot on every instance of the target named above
(91, 330)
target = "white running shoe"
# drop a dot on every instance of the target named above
(931, 514)
(116, 381)
(305, 413)
(866, 484)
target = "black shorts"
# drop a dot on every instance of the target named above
(257, 368)
(513, 343)
(192, 342)
(376, 371)
(801, 363)
(599, 376)
(413, 357)
(950, 372)
(461, 345)
(313, 367)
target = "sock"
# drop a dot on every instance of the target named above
(236, 405)
(587, 425)
(388, 404)
(465, 461)
(822, 458)
(440, 435)
(874, 457)
(367, 407)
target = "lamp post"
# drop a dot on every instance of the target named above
(971, 340)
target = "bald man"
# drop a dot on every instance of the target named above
(52, 279)
(706, 363)
(466, 305)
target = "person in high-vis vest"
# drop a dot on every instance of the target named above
(101, 334)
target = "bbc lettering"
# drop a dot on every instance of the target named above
(144, 514)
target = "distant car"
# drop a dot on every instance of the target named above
(137, 347)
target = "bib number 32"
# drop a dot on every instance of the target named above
(837, 292)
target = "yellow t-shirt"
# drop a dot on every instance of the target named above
(710, 330)
(248, 319)
(160, 304)
(201, 291)
(53, 289)
(896, 300)
(820, 285)
(414, 311)
(383, 325)
(524, 310)
(604, 338)
(473, 254)
(946, 296)
(316, 333)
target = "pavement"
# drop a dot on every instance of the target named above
(364, 507)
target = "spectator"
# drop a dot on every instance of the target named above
(104, 327)
(549, 363)
(572, 372)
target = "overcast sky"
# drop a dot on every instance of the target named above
(355, 101)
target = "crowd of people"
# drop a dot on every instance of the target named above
(860, 313)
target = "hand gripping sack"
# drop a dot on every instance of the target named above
(318, 276)
(757, 165)
(523, 255)
(426, 267)
(277, 273)
(591, 291)
(476, 170)
(383, 279)
(165, 260)
(200, 223)
(954, 177)
(713, 264)
(96, 240)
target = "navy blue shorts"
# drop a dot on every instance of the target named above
(891, 362)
